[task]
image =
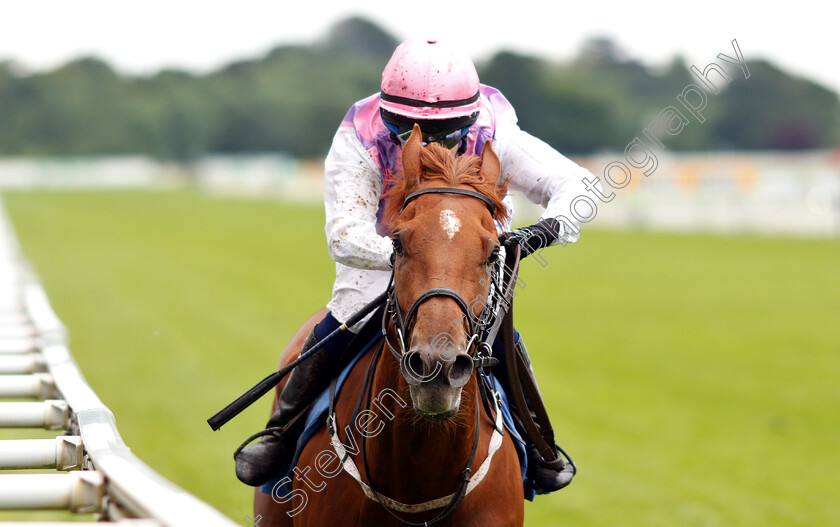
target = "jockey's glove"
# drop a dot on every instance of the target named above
(538, 236)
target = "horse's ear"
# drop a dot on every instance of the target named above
(490, 166)
(412, 167)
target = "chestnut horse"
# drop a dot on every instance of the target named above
(421, 428)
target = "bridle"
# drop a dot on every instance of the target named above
(393, 313)
(402, 323)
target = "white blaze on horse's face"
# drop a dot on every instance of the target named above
(450, 223)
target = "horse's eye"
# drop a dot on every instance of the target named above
(398, 248)
(494, 256)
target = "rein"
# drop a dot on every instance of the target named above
(467, 481)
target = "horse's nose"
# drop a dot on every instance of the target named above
(418, 367)
(459, 370)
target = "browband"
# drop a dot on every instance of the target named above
(451, 190)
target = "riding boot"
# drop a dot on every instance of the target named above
(550, 475)
(547, 474)
(260, 461)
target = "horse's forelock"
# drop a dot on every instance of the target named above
(440, 165)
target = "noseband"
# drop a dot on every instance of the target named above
(392, 306)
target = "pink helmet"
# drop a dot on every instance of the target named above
(426, 81)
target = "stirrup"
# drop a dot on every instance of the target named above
(276, 431)
(554, 474)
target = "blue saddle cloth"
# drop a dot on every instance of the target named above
(317, 417)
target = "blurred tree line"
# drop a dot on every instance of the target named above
(293, 99)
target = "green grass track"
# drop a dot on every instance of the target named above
(695, 379)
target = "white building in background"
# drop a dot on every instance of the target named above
(266, 175)
(85, 172)
(766, 192)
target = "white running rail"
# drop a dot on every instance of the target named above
(41, 387)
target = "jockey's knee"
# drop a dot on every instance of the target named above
(328, 325)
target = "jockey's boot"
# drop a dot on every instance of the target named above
(548, 474)
(260, 461)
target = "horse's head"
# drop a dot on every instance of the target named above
(445, 245)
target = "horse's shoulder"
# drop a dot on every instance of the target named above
(344, 405)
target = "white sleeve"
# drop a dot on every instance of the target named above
(352, 190)
(543, 175)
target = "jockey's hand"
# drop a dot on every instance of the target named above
(533, 238)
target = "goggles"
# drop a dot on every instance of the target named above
(448, 140)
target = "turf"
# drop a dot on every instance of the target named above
(693, 378)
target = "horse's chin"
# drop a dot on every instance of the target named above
(435, 405)
(438, 417)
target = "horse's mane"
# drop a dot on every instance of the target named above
(440, 165)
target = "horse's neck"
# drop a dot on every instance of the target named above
(413, 460)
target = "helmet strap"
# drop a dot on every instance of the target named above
(395, 139)
(462, 148)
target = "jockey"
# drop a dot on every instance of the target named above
(437, 88)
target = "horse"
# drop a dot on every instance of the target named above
(421, 435)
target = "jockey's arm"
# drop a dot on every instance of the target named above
(352, 190)
(544, 176)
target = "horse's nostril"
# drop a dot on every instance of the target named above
(413, 367)
(460, 370)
